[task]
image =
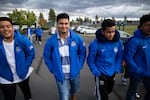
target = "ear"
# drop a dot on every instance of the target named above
(102, 32)
(13, 28)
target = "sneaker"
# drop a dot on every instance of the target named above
(36, 42)
(124, 80)
(137, 95)
(40, 43)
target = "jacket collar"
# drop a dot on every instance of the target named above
(102, 38)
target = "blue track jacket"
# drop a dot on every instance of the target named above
(38, 31)
(137, 55)
(24, 55)
(105, 57)
(77, 54)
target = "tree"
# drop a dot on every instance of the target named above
(22, 17)
(51, 17)
(96, 18)
(17, 17)
(113, 18)
(125, 20)
(41, 20)
(30, 18)
(90, 20)
(86, 19)
(79, 19)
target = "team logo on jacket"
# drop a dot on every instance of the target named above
(18, 49)
(83, 43)
(115, 49)
(31, 47)
(73, 43)
(102, 50)
(144, 47)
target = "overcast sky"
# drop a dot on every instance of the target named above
(89, 8)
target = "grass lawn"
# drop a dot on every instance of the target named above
(129, 28)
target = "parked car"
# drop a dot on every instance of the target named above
(52, 30)
(124, 35)
(72, 27)
(86, 30)
(78, 28)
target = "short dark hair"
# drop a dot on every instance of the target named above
(6, 19)
(62, 15)
(144, 18)
(107, 23)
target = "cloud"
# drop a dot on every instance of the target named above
(12, 1)
(90, 8)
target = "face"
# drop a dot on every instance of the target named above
(145, 27)
(109, 32)
(63, 25)
(6, 30)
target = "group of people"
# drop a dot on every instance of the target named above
(38, 34)
(65, 53)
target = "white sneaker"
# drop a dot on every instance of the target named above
(137, 95)
(124, 80)
(40, 43)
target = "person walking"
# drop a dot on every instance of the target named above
(124, 82)
(29, 33)
(105, 57)
(38, 32)
(137, 57)
(16, 56)
(64, 55)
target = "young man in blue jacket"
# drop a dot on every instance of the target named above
(29, 32)
(16, 56)
(64, 55)
(105, 58)
(137, 56)
(38, 32)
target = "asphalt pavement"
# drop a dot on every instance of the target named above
(43, 86)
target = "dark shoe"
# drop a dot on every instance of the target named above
(73, 97)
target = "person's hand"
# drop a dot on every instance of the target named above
(96, 73)
(123, 63)
(138, 71)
